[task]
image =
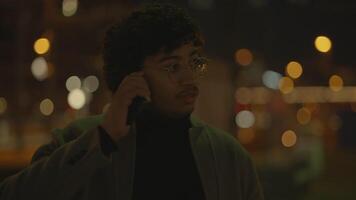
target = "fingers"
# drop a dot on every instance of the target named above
(131, 86)
(116, 117)
(136, 82)
(135, 78)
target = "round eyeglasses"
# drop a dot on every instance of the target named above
(197, 66)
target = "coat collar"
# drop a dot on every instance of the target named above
(123, 160)
(205, 158)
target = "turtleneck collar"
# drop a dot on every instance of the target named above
(150, 118)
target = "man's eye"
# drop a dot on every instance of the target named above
(199, 61)
(171, 68)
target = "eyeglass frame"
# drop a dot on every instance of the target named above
(202, 71)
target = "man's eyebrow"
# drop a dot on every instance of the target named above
(177, 57)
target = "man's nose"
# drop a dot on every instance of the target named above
(187, 76)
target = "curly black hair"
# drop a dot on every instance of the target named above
(144, 33)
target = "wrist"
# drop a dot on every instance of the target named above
(113, 132)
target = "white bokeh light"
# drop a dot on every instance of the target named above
(69, 7)
(47, 107)
(91, 83)
(76, 99)
(271, 79)
(39, 68)
(245, 119)
(73, 82)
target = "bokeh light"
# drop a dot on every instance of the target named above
(73, 82)
(46, 107)
(91, 83)
(246, 135)
(289, 138)
(243, 95)
(76, 99)
(3, 105)
(322, 44)
(286, 85)
(336, 83)
(245, 119)
(243, 57)
(39, 68)
(294, 69)
(303, 116)
(271, 79)
(41, 46)
(69, 7)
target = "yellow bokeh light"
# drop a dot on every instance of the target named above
(323, 44)
(286, 85)
(336, 83)
(3, 105)
(243, 57)
(303, 116)
(41, 46)
(294, 69)
(46, 107)
(246, 136)
(289, 138)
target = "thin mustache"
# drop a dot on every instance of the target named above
(189, 91)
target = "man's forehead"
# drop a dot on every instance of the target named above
(178, 53)
(185, 50)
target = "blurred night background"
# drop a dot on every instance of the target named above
(281, 80)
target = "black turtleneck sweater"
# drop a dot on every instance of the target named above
(164, 167)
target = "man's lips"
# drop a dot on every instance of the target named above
(188, 93)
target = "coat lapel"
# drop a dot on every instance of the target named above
(205, 159)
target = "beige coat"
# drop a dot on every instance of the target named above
(74, 167)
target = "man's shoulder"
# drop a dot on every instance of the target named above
(67, 134)
(77, 128)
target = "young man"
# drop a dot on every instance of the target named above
(164, 153)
